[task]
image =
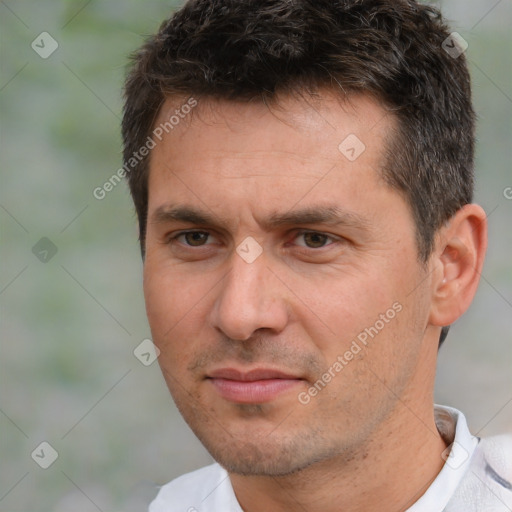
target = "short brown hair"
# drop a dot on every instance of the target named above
(394, 50)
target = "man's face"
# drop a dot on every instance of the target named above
(249, 313)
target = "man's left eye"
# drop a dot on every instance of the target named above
(313, 239)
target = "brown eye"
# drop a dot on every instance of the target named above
(313, 240)
(193, 238)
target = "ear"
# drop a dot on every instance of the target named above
(457, 260)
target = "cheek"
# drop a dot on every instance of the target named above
(166, 305)
(168, 294)
(175, 311)
(159, 302)
(345, 307)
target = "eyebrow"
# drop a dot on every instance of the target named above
(330, 215)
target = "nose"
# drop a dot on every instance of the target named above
(250, 297)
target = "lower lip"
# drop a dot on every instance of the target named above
(252, 392)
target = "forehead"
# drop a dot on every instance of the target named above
(300, 129)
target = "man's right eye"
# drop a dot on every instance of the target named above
(192, 238)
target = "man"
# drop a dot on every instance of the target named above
(302, 172)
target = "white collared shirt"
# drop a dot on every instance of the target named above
(476, 477)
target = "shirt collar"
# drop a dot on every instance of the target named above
(453, 427)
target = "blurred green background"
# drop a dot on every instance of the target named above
(70, 325)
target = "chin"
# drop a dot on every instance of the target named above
(276, 459)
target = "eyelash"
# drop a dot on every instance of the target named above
(299, 233)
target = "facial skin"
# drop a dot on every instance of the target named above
(301, 303)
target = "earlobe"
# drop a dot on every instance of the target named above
(459, 258)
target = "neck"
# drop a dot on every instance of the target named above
(390, 473)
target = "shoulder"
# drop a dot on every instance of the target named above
(189, 492)
(487, 485)
(497, 453)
